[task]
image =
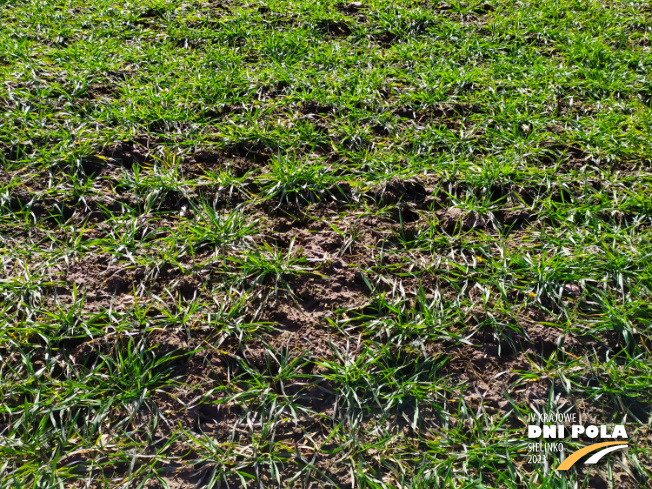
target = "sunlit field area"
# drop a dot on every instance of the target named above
(316, 244)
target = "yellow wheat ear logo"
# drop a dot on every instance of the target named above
(612, 446)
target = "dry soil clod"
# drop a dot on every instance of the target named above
(455, 219)
(397, 190)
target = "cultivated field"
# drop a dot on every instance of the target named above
(313, 244)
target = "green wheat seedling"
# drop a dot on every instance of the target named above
(269, 266)
(294, 180)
